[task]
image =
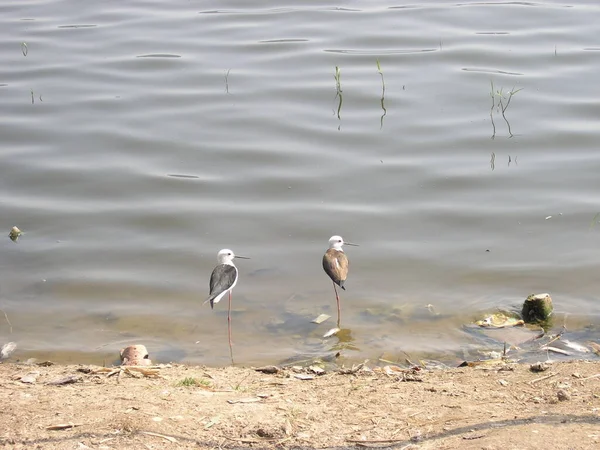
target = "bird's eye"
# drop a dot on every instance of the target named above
(340, 240)
(229, 254)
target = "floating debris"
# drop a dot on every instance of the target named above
(432, 310)
(575, 346)
(320, 319)
(177, 175)
(595, 347)
(159, 55)
(14, 234)
(556, 350)
(332, 332)
(78, 26)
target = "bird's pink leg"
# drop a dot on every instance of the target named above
(229, 319)
(229, 329)
(337, 298)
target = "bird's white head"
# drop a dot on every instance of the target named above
(336, 242)
(225, 256)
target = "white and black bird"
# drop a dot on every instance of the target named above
(222, 280)
(224, 276)
(335, 264)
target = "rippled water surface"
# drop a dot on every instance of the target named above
(139, 138)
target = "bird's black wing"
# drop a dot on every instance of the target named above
(221, 279)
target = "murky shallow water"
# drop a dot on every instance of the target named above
(139, 139)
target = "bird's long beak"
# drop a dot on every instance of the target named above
(241, 257)
(350, 243)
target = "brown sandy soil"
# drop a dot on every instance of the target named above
(506, 407)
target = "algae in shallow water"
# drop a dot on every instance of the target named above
(15, 234)
(500, 320)
(537, 308)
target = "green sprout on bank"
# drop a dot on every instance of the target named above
(192, 382)
(382, 93)
(500, 103)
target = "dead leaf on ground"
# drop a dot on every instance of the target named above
(316, 370)
(63, 426)
(352, 370)
(304, 376)
(537, 380)
(45, 364)
(244, 400)
(471, 437)
(30, 378)
(168, 438)
(539, 367)
(69, 379)
(393, 370)
(268, 369)
(288, 427)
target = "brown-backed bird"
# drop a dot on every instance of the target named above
(335, 264)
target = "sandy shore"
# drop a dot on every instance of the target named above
(488, 407)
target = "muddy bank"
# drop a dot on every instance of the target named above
(508, 406)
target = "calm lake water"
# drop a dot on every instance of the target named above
(139, 138)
